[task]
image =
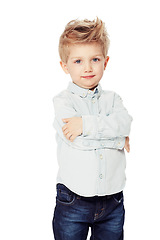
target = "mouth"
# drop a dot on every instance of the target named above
(88, 77)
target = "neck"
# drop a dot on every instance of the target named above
(93, 88)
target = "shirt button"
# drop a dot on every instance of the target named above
(101, 156)
(93, 101)
(100, 176)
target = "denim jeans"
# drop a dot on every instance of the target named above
(74, 214)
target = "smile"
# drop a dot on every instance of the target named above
(88, 77)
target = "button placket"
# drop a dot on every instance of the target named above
(101, 166)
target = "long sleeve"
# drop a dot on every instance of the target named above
(94, 163)
(114, 125)
(65, 109)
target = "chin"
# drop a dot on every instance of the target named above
(93, 85)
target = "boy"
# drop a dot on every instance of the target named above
(92, 131)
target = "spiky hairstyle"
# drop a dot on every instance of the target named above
(83, 31)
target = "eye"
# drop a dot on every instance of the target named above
(78, 61)
(96, 59)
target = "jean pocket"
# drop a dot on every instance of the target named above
(118, 197)
(64, 195)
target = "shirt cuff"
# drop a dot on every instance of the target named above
(119, 143)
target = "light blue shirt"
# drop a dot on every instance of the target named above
(94, 163)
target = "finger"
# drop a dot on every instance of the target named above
(128, 148)
(65, 120)
(64, 128)
(66, 131)
(73, 136)
(68, 136)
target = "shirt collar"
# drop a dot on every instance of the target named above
(83, 92)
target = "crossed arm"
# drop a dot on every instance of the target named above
(74, 127)
(88, 132)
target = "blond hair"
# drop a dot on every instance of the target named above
(83, 31)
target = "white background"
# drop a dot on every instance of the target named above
(30, 76)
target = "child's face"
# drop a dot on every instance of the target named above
(85, 64)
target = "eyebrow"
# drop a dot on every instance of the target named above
(97, 55)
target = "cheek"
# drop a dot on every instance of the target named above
(71, 70)
(76, 70)
(100, 69)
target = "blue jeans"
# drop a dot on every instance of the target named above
(74, 214)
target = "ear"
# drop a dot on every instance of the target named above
(106, 62)
(64, 67)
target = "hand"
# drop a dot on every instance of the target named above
(127, 145)
(72, 128)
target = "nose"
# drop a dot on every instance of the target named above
(88, 67)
